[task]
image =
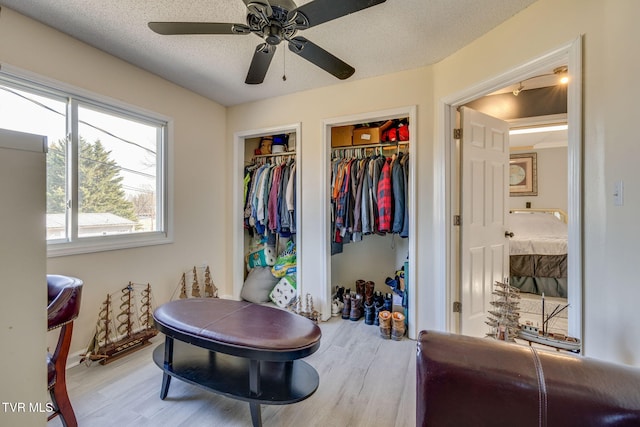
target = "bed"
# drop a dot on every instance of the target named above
(538, 251)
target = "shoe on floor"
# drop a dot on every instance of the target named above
(346, 309)
(356, 307)
(336, 307)
(397, 326)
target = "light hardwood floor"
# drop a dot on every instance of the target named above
(364, 381)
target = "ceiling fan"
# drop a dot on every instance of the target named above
(276, 21)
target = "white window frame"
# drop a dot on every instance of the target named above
(74, 245)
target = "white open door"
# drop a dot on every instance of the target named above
(484, 248)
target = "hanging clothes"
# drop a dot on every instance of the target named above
(405, 223)
(385, 198)
(398, 184)
(270, 199)
(368, 195)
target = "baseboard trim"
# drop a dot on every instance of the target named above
(74, 358)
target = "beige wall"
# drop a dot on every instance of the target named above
(552, 181)
(611, 329)
(199, 173)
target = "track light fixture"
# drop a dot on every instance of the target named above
(519, 89)
(562, 72)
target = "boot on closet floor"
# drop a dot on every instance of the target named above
(356, 307)
(378, 307)
(397, 326)
(368, 292)
(388, 302)
(369, 313)
(378, 299)
(360, 287)
(346, 309)
(385, 324)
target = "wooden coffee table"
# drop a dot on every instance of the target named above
(238, 349)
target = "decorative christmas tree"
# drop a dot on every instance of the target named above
(304, 307)
(504, 319)
(183, 286)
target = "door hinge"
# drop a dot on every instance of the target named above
(457, 133)
(457, 307)
(457, 220)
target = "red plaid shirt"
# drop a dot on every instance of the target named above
(385, 198)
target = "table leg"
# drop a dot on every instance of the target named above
(168, 364)
(254, 387)
(256, 414)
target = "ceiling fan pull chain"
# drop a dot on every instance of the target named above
(284, 65)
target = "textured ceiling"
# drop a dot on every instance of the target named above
(393, 36)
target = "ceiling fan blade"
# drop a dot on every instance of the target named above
(319, 11)
(260, 63)
(320, 57)
(177, 28)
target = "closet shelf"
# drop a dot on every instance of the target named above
(389, 145)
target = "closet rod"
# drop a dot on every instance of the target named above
(389, 146)
(284, 153)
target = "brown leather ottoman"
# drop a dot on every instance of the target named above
(238, 349)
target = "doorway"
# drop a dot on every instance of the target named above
(238, 233)
(448, 269)
(409, 112)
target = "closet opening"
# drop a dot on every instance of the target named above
(267, 216)
(370, 240)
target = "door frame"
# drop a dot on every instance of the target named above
(447, 181)
(239, 140)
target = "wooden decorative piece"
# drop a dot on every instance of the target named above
(210, 289)
(128, 330)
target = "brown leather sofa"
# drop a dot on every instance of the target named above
(464, 381)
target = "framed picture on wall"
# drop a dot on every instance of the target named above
(523, 174)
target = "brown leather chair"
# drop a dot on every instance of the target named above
(64, 305)
(465, 381)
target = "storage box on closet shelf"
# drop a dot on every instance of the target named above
(279, 144)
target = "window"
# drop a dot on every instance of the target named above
(107, 183)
